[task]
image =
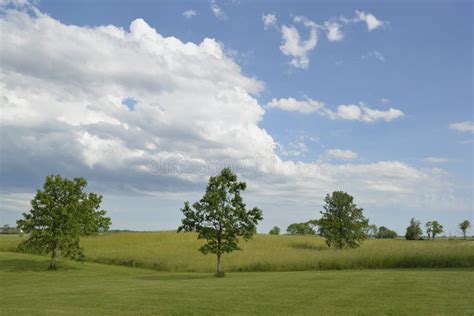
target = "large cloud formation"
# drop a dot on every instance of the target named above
(62, 97)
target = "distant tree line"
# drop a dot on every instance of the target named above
(7, 229)
(433, 228)
(413, 231)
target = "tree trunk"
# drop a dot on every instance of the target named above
(464, 234)
(52, 265)
(219, 252)
(218, 270)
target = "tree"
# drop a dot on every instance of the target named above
(464, 226)
(384, 232)
(429, 229)
(342, 223)
(413, 231)
(433, 228)
(59, 215)
(371, 230)
(300, 229)
(437, 228)
(275, 230)
(220, 216)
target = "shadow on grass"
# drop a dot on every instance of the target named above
(23, 265)
(175, 277)
(304, 245)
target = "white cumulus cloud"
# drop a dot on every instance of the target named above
(62, 92)
(363, 113)
(466, 127)
(333, 31)
(292, 44)
(371, 21)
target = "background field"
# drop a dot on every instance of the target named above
(172, 252)
(97, 289)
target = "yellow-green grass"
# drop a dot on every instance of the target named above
(97, 289)
(169, 251)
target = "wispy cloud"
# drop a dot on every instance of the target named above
(189, 13)
(375, 54)
(297, 48)
(269, 20)
(217, 11)
(293, 105)
(436, 159)
(465, 127)
(344, 154)
(353, 112)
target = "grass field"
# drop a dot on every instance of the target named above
(97, 289)
(169, 251)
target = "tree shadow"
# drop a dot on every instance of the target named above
(175, 277)
(308, 246)
(23, 265)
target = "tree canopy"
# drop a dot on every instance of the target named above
(413, 231)
(275, 230)
(464, 226)
(305, 228)
(384, 232)
(433, 228)
(59, 215)
(371, 230)
(342, 223)
(220, 217)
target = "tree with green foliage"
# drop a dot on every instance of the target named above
(384, 232)
(433, 228)
(429, 229)
(59, 215)
(275, 230)
(436, 228)
(413, 231)
(464, 226)
(342, 223)
(220, 217)
(305, 228)
(371, 230)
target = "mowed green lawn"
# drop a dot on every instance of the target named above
(99, 289)
(172, 252)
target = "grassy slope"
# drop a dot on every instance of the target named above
(168, 251)
(102, 289)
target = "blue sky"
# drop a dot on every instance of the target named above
(415, 160)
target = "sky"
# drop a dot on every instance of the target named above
(147, 99)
